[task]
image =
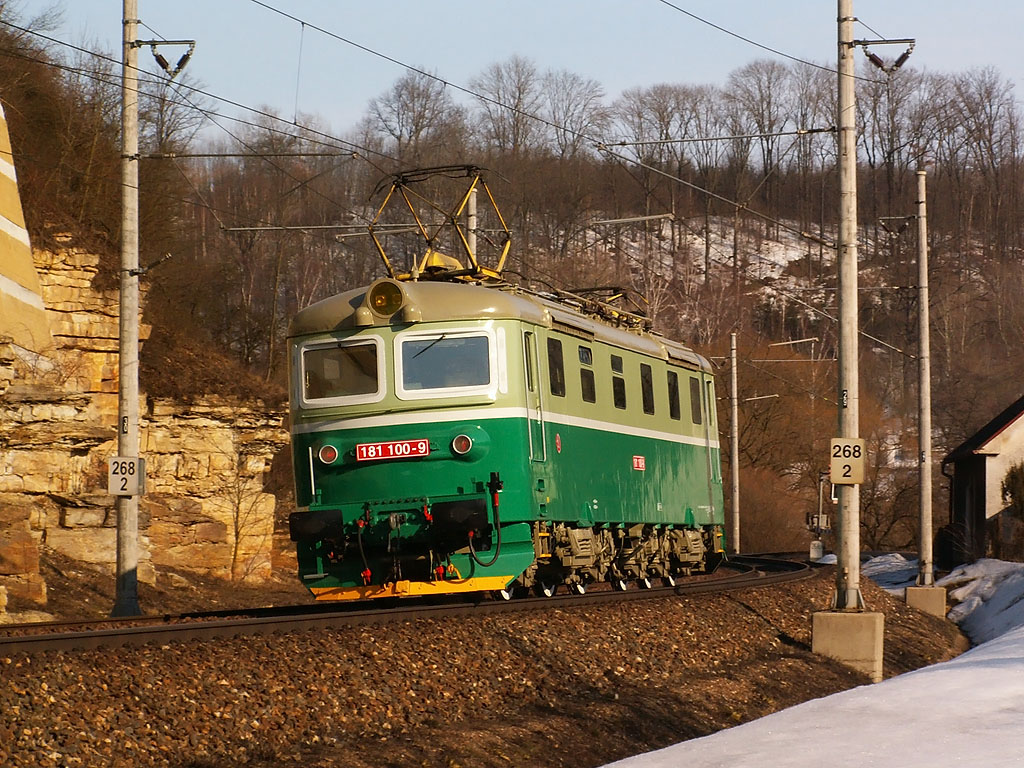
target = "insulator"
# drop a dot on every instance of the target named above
(183, 61)
(875, 59)
(902, 59)
(161, 61)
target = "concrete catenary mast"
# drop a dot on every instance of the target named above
(126, 601)
(926, 572)
(848, 632)
(848, 595)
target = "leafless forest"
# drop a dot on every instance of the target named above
(563, 156)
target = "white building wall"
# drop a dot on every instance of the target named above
(1006, 449)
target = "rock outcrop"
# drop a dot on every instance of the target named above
(204, 508)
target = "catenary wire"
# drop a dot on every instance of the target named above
(756, 44)
(145, 77)
(601, 147)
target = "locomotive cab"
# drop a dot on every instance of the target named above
(402, 441)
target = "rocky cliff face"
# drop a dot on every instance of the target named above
(204, 507)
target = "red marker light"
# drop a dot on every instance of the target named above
(462, 444)
(328, 454)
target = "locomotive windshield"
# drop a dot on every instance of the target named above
(340, 370)
(445, 362)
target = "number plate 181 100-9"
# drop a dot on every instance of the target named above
(397, 449)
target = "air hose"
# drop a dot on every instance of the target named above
(494, 486)
(366, 574)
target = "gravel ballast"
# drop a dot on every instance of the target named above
(577, 686)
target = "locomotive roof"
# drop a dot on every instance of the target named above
(442, 301)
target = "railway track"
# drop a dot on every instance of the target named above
(739, 572)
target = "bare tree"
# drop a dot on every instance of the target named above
(892, 140)
(576, 107)
(701, 110)
(991, 121)
(512, 100)
(761, 91)
(643, 116)
(414, 113)
(813, 108)
(170, 113)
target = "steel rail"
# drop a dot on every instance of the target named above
(757, 572)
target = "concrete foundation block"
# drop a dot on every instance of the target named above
(853, 638)
(928, 599)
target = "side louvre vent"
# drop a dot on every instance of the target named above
(572, 330)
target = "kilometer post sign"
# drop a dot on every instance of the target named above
(126, 476)
(846, 461)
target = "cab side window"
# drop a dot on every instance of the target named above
(647, 388)
(588, 387)
(673, 396)
(556, 368)
(618, 383)
(695, 409)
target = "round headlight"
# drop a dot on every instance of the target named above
(328, 454)
(385, 298)
(462, 444)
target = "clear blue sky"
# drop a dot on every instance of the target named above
(250, 54)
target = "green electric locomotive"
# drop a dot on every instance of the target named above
(465, 435)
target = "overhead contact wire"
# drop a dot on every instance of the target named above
(756, 44)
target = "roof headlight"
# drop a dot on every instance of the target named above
(385, 298)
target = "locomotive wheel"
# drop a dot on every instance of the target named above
(670, 580)
(620, 584)
(579, 588)
(644, 583)
(503, 594)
